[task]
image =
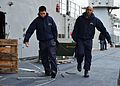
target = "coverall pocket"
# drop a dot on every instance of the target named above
(52, 43)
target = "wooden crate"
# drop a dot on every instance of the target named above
(8, 70)
(8, 56)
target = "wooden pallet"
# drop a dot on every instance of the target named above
(8, 56)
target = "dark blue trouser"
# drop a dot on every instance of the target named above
(83, 51)
(48, 55)
(103, 44)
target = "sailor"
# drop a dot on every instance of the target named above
(46, 32)
(103, 43)
(57, 8)
(83, 33)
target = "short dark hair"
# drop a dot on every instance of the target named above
(42, 8)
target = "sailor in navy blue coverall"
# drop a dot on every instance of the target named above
(103, 43)
(46, 32)
(83, 33)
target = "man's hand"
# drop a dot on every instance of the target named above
(27, 44)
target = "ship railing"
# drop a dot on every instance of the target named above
(74, 10)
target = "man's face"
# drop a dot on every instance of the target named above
(42, 13)
(89, 11)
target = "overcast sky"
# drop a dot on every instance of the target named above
(85, 3)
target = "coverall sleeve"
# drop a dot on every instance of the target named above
(54, 30)
(30, 31)
(75, 30)
(100, 27)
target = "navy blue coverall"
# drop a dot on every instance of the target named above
(103, 43)
(83, 34)
(46, 32)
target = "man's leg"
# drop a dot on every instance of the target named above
(105, 45)
(39, 58)
(101, 45)
(88, 57)
(79, 51)
(52, 56)
(44, 58)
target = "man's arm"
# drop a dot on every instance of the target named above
(74, 33)
(54, 30)
(102, 29)
(29, 33)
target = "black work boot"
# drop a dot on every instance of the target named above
(47, 73)
(86, 74)
(79, 68)
(105, 48)
(53, 74)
